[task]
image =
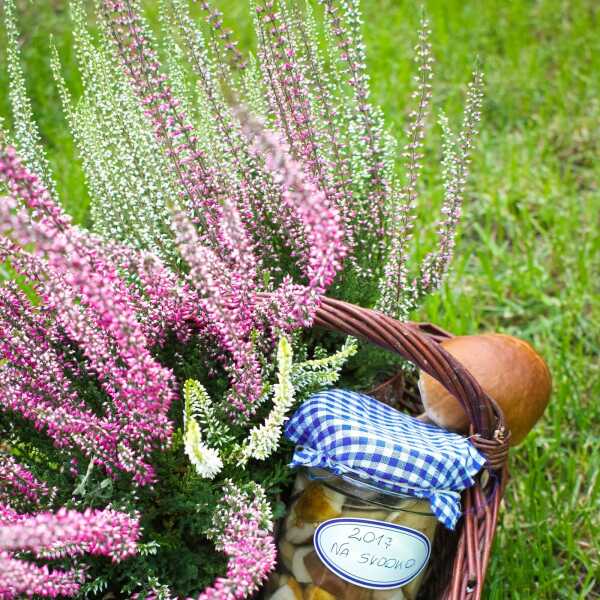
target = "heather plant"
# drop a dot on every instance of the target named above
(147, 365)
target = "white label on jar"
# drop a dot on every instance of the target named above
(372, 554)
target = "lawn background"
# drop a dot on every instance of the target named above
(528, 257)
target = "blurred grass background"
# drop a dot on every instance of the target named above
(528, 257)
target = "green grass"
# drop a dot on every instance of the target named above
(528, 259)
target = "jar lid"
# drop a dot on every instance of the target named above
(351, 434)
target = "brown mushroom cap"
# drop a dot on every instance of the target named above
(507, 368)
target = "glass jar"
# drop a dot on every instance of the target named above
(345, 539)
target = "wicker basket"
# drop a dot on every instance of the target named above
(459, 559)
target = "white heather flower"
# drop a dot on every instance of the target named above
(27, 136)
(206, 461)
(396, 294)
(456, 151)
(264, 439)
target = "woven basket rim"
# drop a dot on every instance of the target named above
(420, 343)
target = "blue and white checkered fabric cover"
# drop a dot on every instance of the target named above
(352, 434)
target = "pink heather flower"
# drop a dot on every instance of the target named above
(89, 308)
(58, 535)
(33, 380)
(18, 485)
(224, 36)
(455, 163)
(8, 515)
(252, 556)
(162, 302)
(228, 300)
(317, 81)
(25, 185)
(244, 536)
(256, 199)
(20, 578)
(173, 130)
(344, 26)
(70, 533)
(290, 96)
(85, 297)
(311, 221)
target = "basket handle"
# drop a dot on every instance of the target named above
(420, 345)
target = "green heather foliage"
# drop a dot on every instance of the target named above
(527, 263)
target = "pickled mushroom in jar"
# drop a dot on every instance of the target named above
(290, 590)
(323, 577)
(354, 592)
(318, 503)
(316, 593)
(297, 531)
(417, 516)
(286, 553)
(298, 567)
